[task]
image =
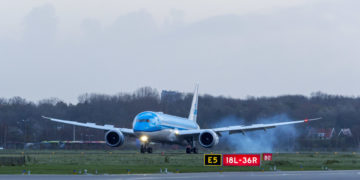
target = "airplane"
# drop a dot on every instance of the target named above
(158, 127)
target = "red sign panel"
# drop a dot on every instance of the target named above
(267, 156)
(241, 160)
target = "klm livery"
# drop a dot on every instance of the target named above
(158, 127)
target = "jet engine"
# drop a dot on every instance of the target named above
(208, 139)
(114, 138)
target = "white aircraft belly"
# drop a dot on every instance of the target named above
(162, 136)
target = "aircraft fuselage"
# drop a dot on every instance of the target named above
(160, 127)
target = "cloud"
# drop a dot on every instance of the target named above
(295, 50)
(40, 26)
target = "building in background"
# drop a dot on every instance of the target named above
(323, 133)
(345, 132)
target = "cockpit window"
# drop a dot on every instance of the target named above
(143, 120)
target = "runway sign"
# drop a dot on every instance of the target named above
(241, 160)
(212, 159)
(267, 157)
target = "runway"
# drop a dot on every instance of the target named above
(280, 175)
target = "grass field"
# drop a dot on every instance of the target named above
(120, 162)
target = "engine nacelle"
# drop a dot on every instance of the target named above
(114, 138)
(208, 139)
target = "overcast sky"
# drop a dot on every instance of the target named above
(233, 48)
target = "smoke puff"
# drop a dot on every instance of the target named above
(281, 138)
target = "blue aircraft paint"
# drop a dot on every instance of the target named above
(149, 121)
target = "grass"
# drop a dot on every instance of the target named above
(120, 162)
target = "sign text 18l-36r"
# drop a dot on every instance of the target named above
(241, 160)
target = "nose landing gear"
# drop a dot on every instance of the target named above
(145, 148)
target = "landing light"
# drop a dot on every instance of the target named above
(144, 138)
(176, 131)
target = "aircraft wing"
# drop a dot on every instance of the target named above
(243, 129)
(126, 131)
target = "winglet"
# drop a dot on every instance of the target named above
(46, 117)
(314, 119)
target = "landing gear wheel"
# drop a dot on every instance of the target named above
(194, 150)
(188, 150)
(142, 149)
(149, 150)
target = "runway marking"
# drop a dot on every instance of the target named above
(170, 177)
(225, 174)
(274, 175)
(173, 177)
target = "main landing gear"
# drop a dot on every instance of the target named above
(190, 148)
(145, 148)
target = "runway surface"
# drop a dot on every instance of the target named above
(280, 175)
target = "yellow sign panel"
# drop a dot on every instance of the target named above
(212, 159)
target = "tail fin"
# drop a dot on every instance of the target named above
(194, 105)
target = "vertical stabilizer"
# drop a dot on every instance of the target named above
(194, 105)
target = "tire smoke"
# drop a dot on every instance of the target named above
(278, 139)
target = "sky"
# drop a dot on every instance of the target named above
(233, 48)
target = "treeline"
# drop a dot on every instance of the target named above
(20, 120)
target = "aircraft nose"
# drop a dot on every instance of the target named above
(139, 127)
(143, 126)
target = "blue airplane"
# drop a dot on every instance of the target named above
(158, 127)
